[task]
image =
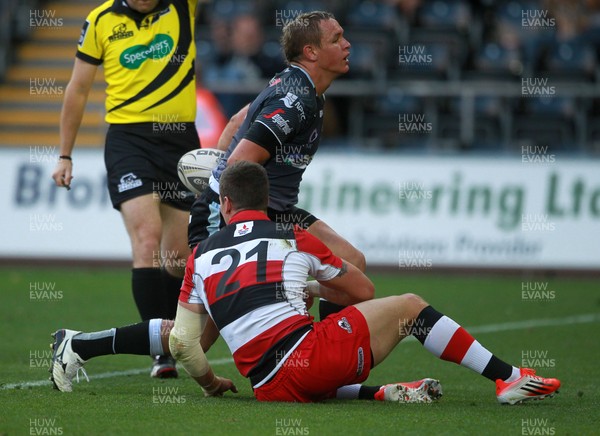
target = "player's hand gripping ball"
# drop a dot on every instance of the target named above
(194, 167)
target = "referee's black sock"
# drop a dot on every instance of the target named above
(171, 289)
(147, 287)
(326, 308)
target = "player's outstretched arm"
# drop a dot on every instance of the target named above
(184, 343)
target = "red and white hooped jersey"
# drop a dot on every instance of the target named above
(251, 277)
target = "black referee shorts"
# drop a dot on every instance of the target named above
(141, 158)
(206, 219)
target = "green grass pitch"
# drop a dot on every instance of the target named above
(38, 301)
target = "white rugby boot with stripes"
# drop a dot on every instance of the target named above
(66, 363)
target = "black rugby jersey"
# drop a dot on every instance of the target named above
(286, 119)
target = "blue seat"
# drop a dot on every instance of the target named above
(430, 56)
(445, 14)
(573, 60)
(546, 121)
(366, 61)
(228, 9)
(293, 7)
(554, 105)
(494, 59)
(371, 14)
(396, 102)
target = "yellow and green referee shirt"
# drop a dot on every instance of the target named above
(148, 60)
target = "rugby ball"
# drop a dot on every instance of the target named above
(195, 166)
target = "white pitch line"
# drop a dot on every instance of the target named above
(534, 323)
(490, 328)
(23, 385)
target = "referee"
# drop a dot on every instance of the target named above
(147, 51)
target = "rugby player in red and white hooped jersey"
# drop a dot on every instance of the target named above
(251, 279)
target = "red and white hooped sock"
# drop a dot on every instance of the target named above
(446, 339)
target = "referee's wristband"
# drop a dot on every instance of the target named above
(63, 157)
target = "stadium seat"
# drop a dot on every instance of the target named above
(227, 9)
(533, 40)
(512, 11)
(546, 121)
(593, 135)
(373, 17)
(489, 124)
(445, 15)
(560, 106)
(383, 119)
(368, 55)
(304, 6)
(279, 12)
(496, 62)
(573, 60)
(371, 14)
(444, 57)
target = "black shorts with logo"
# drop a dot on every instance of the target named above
(141, 158)
(206, 219)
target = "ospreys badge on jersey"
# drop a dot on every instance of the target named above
(343, 323)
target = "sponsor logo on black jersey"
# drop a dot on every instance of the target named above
(291, 101)
(272, 114)
(281, 123)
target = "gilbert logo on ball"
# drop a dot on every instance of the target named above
(194, 167)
